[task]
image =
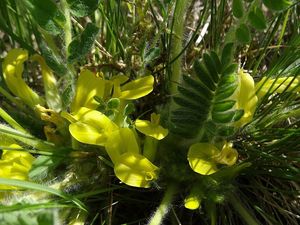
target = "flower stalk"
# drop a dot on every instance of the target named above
(164, 206)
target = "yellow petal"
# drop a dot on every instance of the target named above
(87, 134)
(150, 129)
(15, 165)
(200, 157)
(192, 202)
(135, 170)
(12, 72)
(93, 127)
(120, 142)
(137, 88)
(120, 79)
(227, 156)
(278, 85)
(246, 98)
(50, 85)
(88, 86)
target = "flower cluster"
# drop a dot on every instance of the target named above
(101, 115)
(106, 123)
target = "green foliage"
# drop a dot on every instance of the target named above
(242, 34)
(136, 38)
(277, 5)
(82, 44)
(257, 19)
(42, 167)
(237, 8)
(47, 15)
(42, 188)
(205, 105)
(82, 8)
(54, 61)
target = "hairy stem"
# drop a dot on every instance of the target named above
(164, 206)
(176, 43)
(68, 25)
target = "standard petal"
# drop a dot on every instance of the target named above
(150, 129)
(87, 134)
(96, 119)
(120, 142)
(53, 98)
(12, 72)
(246, 98)
(135, 170)
(92, 127)
(88, 86)
(137, 88)
(200, 157)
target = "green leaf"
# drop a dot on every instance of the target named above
(204, 99)
(230, 69)
(42, 165)
(151, 55)
(225, 117)
(113, 103)
(224, 105)
(42, 188)
(55, 62)
(82, 8)
(277, 5)
(227, 55)
(67, 95)
(46, 14)
(203, 75)
(83, 43)
(237, 8)
(129, 108)
(257, 19)
(242, 34)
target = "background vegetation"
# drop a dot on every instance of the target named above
(163, 38)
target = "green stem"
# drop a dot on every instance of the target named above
(238, 206)
(11, 121)
(176, 47)
(176, 43)
(164, 206)
(68, 25)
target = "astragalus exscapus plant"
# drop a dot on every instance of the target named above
(149, 112)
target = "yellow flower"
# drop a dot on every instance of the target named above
(277, 85)
(50, 85)
(91, 127)
(135, 170)
(88, 86)
(204, 157)
(192, 202)
(15, 165)
(132, 90)
(200, 157)
(151, 128)
(245, 97)
(130, 166)
(12, 72)
(227, 156)
(121, 145)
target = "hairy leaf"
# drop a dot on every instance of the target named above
(82, 44)
(47, 15)
(82, 8)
